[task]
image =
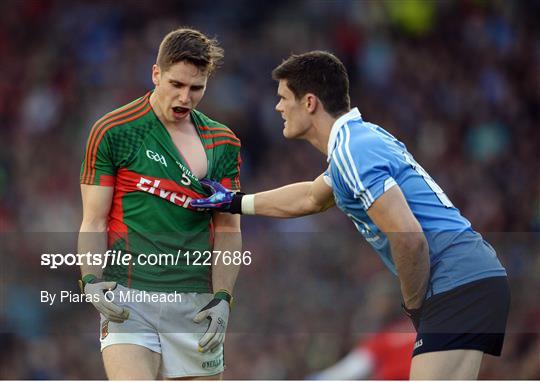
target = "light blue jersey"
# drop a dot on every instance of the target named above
(365, 161)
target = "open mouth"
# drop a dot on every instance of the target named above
(180, 111)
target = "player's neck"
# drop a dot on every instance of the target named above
(183, 125)
(320, 133)
(178, 125)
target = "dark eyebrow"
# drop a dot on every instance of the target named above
(175, 82)
(178, 83)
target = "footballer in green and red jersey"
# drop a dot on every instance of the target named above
(132, 151)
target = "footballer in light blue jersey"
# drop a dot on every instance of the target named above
(364, 162)
(454, 288)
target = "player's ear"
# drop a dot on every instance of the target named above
(311, 102)
(155, 74)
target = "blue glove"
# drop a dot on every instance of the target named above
(222, 199)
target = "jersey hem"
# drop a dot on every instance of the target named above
(493, 274)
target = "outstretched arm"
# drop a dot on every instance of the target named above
(293, 200)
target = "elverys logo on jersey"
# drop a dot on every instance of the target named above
(156, 156)
(152, 186)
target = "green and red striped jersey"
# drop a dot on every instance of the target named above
(131, 150)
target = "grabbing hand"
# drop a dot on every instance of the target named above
(222, 199)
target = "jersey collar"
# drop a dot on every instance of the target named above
(353, 114)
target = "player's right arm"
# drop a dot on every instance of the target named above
(93, 239)
(97, 188)
(293, 200)
(93, 232)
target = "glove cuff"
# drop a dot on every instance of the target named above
(236, 203)
(224, 295)
(86, 279)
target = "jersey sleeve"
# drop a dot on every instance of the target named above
(231, 162)
(98, 167)
(327, 177)
(365, 166)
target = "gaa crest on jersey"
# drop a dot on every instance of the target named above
(156, 157)
(104, 329)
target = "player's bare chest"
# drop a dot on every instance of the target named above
(190, 148)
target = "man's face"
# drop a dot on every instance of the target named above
(292, 111)
(178, 90)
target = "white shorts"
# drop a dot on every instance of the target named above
(166, 328)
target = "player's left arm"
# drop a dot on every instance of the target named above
(392, 215)
(227, 235)
(227, 239)
(227, 243)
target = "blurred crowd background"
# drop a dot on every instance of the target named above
(457, 81)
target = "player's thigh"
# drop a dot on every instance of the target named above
(448, 364)
(216, 377)
(129, 361)
(179, 340)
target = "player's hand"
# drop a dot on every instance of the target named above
(217, 311)
(97, 288)
(222, 199)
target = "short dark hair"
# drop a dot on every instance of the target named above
(320, 73)
(190, 45)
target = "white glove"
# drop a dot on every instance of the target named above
(217, 311)
(97, 288)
